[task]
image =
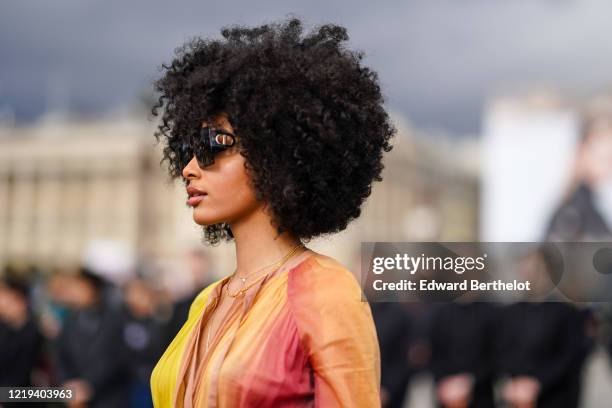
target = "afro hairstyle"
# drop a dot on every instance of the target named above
(309, 115)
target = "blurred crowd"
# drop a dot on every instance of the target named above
(103, 340)
(524, 354)
(80, 330)
(486, 354)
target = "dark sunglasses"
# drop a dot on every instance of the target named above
(205, 145)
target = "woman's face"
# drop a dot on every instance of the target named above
(229, 195)
(597, 152)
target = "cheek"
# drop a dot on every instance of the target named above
(230, 193)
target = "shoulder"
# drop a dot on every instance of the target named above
(326, 298)
(321, 276)
(335, 327)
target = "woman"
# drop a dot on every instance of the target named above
(278, 137)
(583, 214)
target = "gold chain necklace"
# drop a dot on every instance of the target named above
(277, 264)
(226, 287)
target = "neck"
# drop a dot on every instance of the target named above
(258, 244)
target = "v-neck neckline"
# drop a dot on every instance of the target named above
(191, 351)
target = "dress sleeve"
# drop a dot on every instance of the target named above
(338, 333)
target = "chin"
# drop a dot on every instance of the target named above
(203, 218)
(203, 221)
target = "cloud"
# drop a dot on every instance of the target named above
(437, 60)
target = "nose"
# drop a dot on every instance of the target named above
(191, 170)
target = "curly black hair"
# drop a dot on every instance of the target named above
(310, 118)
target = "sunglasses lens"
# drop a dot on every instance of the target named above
(184, 154)
(201, 148)
(205, 145)
(205, 159)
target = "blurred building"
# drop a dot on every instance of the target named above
(429, 192)
(66, 183)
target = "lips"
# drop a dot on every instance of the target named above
(192, 191)
(195, 200)
(195, 196)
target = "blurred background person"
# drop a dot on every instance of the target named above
(585, 212)
(88, 344)
(542, 342)
(395, 332)
(20, 339)
(55, 306)
(462, 347)
(145, 337)
(184, 289)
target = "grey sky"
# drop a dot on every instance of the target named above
(438, 60)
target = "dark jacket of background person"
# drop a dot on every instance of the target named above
(180, 310)
(393, 328)
(462, 341)
(19, 352)
(88, 348)
(577, 218)
(546, 341)
(20, 340)
(144, 340)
